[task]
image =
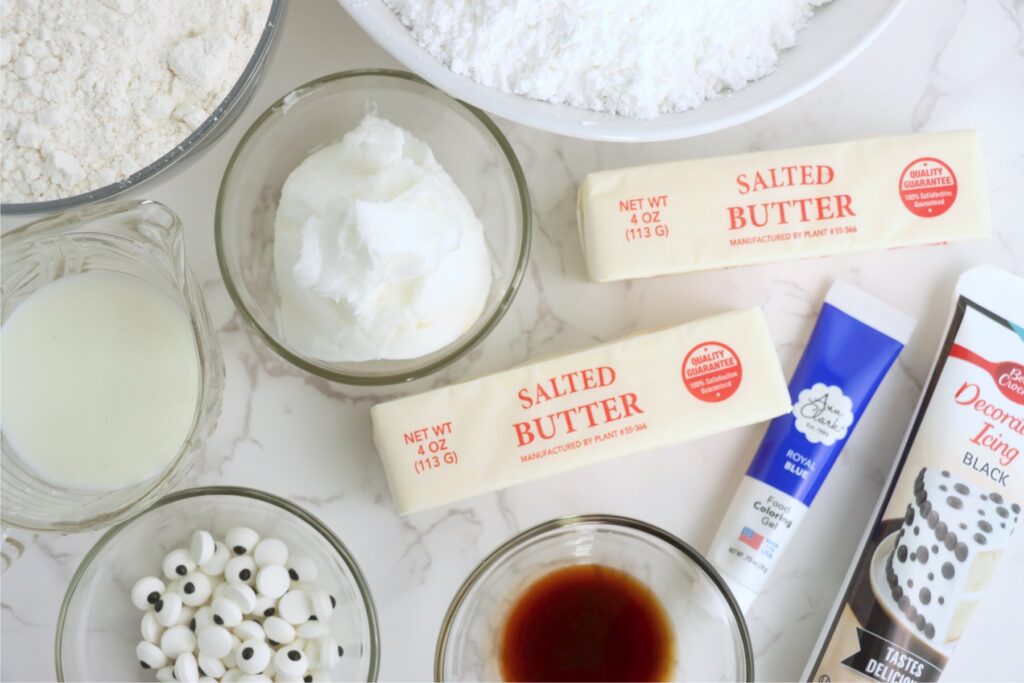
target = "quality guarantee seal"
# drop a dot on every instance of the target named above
(712, 371)
(928, 187)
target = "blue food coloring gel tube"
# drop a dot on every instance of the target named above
(853, 344)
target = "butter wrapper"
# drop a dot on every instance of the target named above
(795, 203)
(560, 413)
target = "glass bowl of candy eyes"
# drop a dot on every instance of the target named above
(251, 587)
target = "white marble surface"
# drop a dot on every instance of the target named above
(943, 64)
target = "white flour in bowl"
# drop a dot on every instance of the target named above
(95, 90)
(635, 58)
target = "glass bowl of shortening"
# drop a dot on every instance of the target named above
(372, 229)
(150, 599)
(594, 598)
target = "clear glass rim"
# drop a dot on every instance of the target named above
(207, 349)
(179, 151)
(615, 521)
(503, 305)
(242, 492)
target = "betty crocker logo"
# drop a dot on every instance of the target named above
(1008, 375)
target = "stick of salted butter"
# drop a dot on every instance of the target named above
(561, 413)
(793, 203)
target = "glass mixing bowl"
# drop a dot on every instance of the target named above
(711, 639)
(98, 627)
(465, 142)
(216, 123)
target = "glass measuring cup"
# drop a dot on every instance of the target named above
(141, 239)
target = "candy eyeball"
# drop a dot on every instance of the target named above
(241, 540)
(151, 628)
(242, 595)
(226, 613)
(168, 609)
(195, 589)
(278, 631)
(202, 546)
(177, 640)
(253, 656)
(214, 641)
(291, 661)
(215, 565)
(266, 606)
(178, 563)
(330, 652)
(186, 669)
(323, 604)
(211, 666)
(272, 581)
(149, 655)
(294, 606)
(249, 630)
(147, 591)
(270, 551)
(302, 568)
(241, 569)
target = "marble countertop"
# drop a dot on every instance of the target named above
(942, 64)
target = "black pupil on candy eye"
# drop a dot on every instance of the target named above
(143, 664)
(192, 624)
(217, 620)
(247, 653)
(273, 643)
(294, 655)
(239, 550)
(341, 651)
(181, 570)
(159, 605)
(334, 603)
(152, 598)
(307, 678)
(312, 617)
(293, 575)
(269, 612)
(189, 588)
(244, 574)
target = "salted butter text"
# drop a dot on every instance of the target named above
(583, 415)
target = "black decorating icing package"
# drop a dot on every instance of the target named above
(951, 504)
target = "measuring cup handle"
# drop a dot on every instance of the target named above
(11, 547)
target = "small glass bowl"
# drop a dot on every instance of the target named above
(98, 627)
(465, 142)
(712, 643)
(219, 120)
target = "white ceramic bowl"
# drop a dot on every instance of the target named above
(838, 32)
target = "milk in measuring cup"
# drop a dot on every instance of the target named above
(100, 379)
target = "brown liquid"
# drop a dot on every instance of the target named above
(587, 623)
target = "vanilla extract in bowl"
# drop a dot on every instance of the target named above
(587, 622)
